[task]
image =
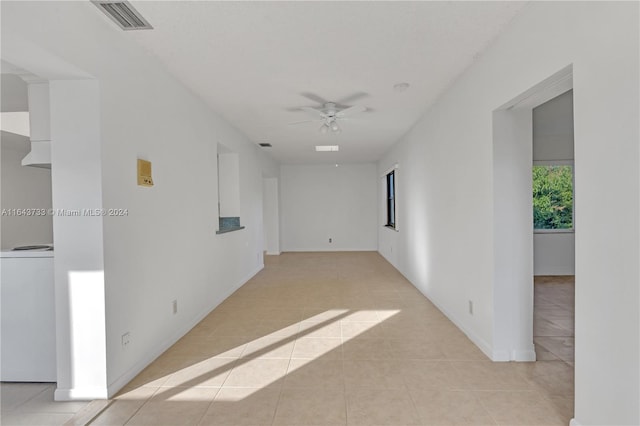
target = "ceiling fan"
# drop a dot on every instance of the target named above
(329, 115)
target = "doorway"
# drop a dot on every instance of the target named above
(513, 217)
(553, 238)
(517, 326)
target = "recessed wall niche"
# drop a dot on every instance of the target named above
(228, 190)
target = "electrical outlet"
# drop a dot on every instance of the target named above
(174, 306)
(470, 307)
(126, 339)
(330, 240)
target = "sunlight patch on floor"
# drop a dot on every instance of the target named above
(317, 337)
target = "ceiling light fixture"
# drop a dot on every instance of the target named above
(327, 148)
(330, 125)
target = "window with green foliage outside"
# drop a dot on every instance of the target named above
(553, 197)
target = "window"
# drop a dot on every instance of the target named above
(391, 199)
(552, 197)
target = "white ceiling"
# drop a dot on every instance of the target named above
(253, 62)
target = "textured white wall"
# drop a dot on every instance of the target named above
(320, 202)
(446, 242)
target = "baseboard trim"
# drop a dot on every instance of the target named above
(518, 355)
(324, 250)
(484, 346)
(500, 356)
(525, 355)
(477, 340)
(574, 422)
(132, 372)
(274, 253)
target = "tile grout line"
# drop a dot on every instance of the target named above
(204, 413)
(275, 410)
(140, 407)
(344, 381)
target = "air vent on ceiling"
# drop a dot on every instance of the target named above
(123, 14)
(265, 145)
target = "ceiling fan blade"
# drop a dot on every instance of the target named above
(352, 98)
(315, 98)
(306, 121)
(351, 110)
(314, 111)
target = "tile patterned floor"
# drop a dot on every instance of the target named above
(336, 339)
(32, 404)
(554, 301)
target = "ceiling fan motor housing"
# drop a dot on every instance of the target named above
(330, 109)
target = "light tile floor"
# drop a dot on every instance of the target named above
(336, 339)
(32, 404)
(553, 327)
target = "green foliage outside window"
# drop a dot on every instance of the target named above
(553, 197)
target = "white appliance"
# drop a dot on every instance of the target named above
(28, 331)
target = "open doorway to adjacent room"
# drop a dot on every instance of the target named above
(554, 237)
(534, 269)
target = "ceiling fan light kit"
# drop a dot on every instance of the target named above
(330, 125)
(330, 114)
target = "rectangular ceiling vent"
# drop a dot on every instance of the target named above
(265, 144)
(123, 14)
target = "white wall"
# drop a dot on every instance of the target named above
(554, 253)
(553, 129)
(271, 215)
(512, 337)
(322, 202)
(76, 178)
(445, 245)
(14, 93)
(165, 248)
(23, 188)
